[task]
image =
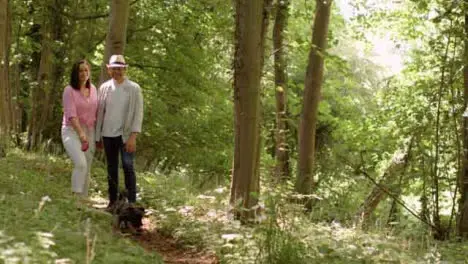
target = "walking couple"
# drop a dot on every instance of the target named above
(108, 118)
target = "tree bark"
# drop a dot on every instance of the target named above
(39, 90)
(116, 34)
(5, 93)
(46, 92)
(52, 117)
(248, 62)
(281, 88)
(15, 88)
(312, 91)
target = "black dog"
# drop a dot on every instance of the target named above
(127, 216)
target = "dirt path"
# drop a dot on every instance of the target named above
(171, 251)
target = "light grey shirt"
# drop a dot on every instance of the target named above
(116, 107)
(113, 118)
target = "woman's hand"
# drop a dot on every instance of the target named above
(83, 137)
(76, 125)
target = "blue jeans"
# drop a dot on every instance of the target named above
(113, 146)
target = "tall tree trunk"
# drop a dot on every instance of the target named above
(49, 85)
(17, 110)
(462, 223)
(394, 171)
(281, 83)
(456, 130)
(31, 66)
(38, 91)
(51, 119)
(116, 34)
(313, 85)
(5, 96)
(248, 62)
(15, 87)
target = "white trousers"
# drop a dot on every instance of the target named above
(81, 160)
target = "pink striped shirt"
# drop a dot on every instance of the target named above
(77, 105)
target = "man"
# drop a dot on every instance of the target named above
(119, 119)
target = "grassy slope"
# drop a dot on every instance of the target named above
(60, 229)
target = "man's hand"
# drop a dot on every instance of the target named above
(130, 145)
(99, 145)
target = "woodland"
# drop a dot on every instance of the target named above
(275, 131)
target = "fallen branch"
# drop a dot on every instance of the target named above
(398, 200)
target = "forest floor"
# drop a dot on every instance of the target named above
(168, 247)
(42, 222)
(172, 251)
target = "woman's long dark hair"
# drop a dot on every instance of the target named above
(75, 75)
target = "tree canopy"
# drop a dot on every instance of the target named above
(389, 139)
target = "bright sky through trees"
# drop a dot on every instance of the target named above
(384, 51)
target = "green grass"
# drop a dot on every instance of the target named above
(41, 222)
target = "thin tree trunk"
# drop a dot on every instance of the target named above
(8, 78)
(15, 88)
(396, 168)
(424, 214)
(435, 172)
(248, 62)
(116, 34)
(17, 110)
(281, 83)
(452, 89)
(393, 214)
(462, 223)
(312, 93)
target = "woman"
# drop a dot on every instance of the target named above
(79, 118)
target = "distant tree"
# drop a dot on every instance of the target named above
(312, 93)
(248, 63)
(116, 34)
(281, 83)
